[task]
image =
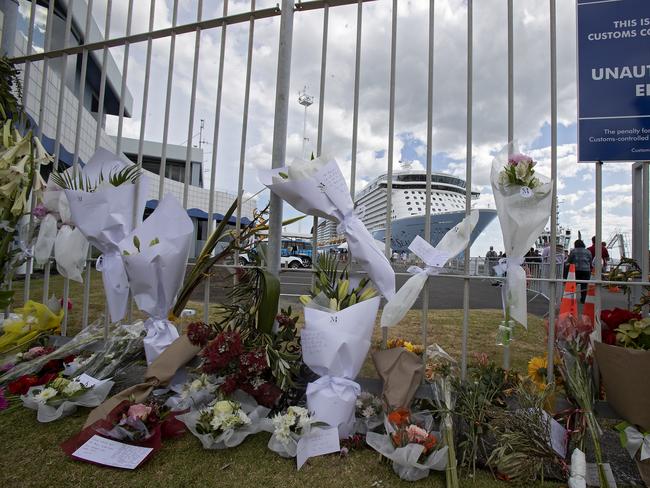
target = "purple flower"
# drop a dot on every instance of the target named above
(6, 367)
(40, 211)
(4, 403)
(515, 159)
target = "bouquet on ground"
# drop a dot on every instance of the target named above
(318, 188)
(339, 319)
(369, 412)
(623, 365)
(57, 233)
(143, 424)
(287, 429)
(453, 243)
(410, 444)
(107, 199)
(61, 397)
(440, 368)
(574, 348)
(33, 321)
(195, 393)
(123, 347)
(22, 357)
(523, 201)
(401, 370)
(226, 423)
(155, 257)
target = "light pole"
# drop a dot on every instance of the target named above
(305, 100)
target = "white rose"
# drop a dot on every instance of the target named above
(196, 385)
(223, 407)
(305, 169)
(72, 388)
(521, 170)
(45, 394)
(503, 179)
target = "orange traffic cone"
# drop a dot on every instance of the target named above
(589, 307)
(569, 304)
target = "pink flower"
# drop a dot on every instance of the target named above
(416, 434)
(139, 411)
(69, 304)
(40, 211)
(515, 159)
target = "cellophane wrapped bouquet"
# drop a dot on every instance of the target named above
(287, 428)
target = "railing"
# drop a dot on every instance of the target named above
(39, 71)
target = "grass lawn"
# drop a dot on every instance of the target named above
(31, 457)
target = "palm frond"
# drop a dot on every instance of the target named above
(68, 181)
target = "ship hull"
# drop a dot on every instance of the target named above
(404, 230)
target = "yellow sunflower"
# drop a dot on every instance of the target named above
(537, 368)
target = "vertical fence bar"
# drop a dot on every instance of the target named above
(75, 157)
(321, 114)
(598, 252)
(279, 150)
(26, 83)
(244, 126)
(215, 148)
(64, 68)
(468, 181)
(553, 237)
(168, 99)
(355, 103)
(645, 259)
(145, 92)
(391, 137)
(39, 129)
(429, 164)
(125, 72)
(190, 125)
(511, 118)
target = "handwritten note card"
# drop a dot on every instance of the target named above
(112, 453)
(87, 380)
(317, 443)
(427, 253)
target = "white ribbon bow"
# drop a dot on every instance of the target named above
(635, 441)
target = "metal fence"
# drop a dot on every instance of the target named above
(78, 48)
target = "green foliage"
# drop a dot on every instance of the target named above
(68, 181)
(10, 91)
(635, 334)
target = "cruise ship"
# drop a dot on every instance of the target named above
(408, 207)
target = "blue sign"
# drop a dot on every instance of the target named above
(613, 80)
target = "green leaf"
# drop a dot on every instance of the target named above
(136, 242)
(6, 298)
(268, 308)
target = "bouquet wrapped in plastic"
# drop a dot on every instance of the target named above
(69, 244)
(226, 423)
(195, 393)
(155, 257)
(523, 201)
(287, 429)
(410, 444)
(369, 413)
(435, 258)
(33, 320)
(107, 200)
(143, 424)
(61, 397)
(335, 345)
(318, 188)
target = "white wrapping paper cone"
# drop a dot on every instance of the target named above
(333, 401)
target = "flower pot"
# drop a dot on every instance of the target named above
(626, 381)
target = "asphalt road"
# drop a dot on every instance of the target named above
(445, 292)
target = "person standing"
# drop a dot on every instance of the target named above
(581, 258)
(491, 257)
(604, 252)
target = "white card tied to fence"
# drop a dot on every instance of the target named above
(112, 453)
(155, 256)
(105, 215)
(318, 188)
(435, 258)
(317, 443)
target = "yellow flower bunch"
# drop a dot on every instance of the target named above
(35, 320)
(409, 346)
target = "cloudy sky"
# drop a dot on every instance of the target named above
(532, 94)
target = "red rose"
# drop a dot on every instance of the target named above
(46, 378)
(22, 384)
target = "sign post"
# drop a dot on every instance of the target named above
(613, 80)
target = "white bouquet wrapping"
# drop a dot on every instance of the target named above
(407, 461)
(287, 430)
(155, 257)
(69, 244)
(523, 201)
(335, 345)
(435, 258)
(318, 188)
(105, 215)
(55, 401)
(194, 394)
(369, 413)
(226, 423)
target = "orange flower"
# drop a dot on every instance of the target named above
(399, 417)
(430, 443)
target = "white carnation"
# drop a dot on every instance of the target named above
(72, 388)
(45, 394)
